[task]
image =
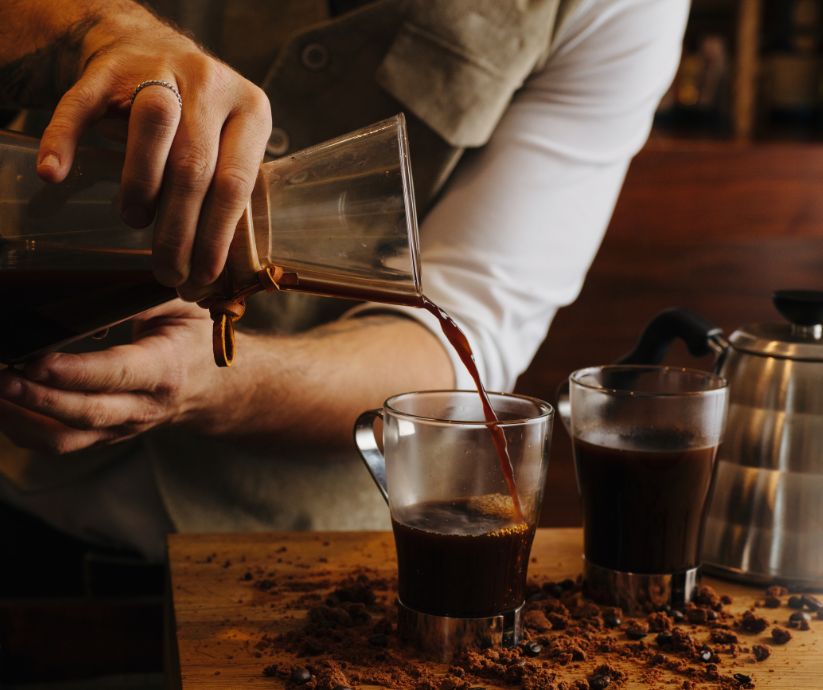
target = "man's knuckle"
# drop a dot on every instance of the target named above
(259, 104)
(219, 77)
(172, 262)
(75, 379)
(170, 244)
(92, 416)
(60, 127)
(80, 97)
(123, 376)
(208, 270)
(192, 170)
(43, 399)
(59, 443)
(159, 111)
(232, 183)
(145, 415)
(210, 75)
(172, 386)
(135, 185)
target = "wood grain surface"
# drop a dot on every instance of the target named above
(221, 617)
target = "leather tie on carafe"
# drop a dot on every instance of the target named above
(243, 275)
(225, 311)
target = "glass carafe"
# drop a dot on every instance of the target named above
(336, 219)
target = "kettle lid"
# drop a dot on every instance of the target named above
(801, 338)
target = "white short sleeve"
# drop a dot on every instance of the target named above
(511, 239)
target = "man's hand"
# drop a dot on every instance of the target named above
(306, 388)
(66, 402)
(194, 168)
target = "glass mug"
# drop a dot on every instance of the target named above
(645, 439)
(462, 554)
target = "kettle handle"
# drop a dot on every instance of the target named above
(700, 336)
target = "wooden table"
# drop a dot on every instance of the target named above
(220, 615)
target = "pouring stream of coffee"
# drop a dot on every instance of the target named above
(460, 343)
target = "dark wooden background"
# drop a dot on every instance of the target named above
(714, 227)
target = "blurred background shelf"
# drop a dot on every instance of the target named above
(751, 70)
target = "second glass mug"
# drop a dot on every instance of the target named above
(645, 439)
(336, 219)
(462, 552)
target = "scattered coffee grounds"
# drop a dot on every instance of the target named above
(532, 649)
(721, 636)
(658, 622)
(812, 603)
(744, 680)
(300, 675)
(760, 652)
(707, 596)
(350, 639)
(605, 676)
(773, 596)
(777, 591)
(781, 635)
(771, 602)
(636, 630)
(753, 624)
(696, 614)
(612, 617)
(800, 620)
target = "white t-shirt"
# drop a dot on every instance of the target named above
(508, 243)
(511, 240)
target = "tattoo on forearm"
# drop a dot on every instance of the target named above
(42, 76)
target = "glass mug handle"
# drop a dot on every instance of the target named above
(366, 443)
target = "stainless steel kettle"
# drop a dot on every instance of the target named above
(765, 516)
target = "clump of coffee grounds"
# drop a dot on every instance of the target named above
(350, 639)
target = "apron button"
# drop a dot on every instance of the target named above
(314, 56)
(278, 142)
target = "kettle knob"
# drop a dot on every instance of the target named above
(801, 307)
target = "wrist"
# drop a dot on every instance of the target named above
(221, 402)
(118, 22)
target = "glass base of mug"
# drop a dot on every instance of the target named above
(442, 637)
(638, 593)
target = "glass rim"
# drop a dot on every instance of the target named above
(412, 230)
(720, 384)
(545, 410)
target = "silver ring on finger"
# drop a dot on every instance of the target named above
(157, 82)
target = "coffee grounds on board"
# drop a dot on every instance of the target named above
(349, 639)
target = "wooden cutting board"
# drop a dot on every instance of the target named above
(221, 616)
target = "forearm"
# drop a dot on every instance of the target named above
(45, 44)
(311, 387)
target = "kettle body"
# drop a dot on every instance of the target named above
(764, 520)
